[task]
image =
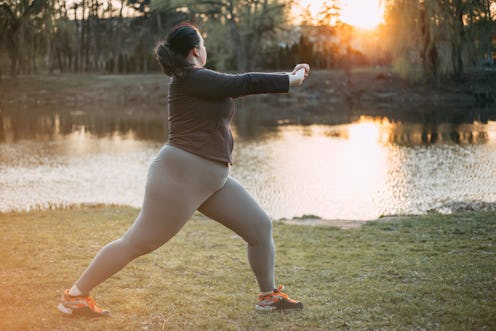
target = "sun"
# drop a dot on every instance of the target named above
(365, 14)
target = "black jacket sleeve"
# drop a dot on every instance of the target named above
(206, 83)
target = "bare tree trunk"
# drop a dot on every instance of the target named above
(75, 55)
(1, 48)
(430, 54)
(491, 26)
(49, 36)
(115, 42)
(13, 54)
(159, 22)
(83, 48)
(457, 41)
(87, 43)
(95, 46)
(236, 37)
(60, 61)
(239, 47)
(33, 57)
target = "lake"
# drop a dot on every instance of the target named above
(354, 165)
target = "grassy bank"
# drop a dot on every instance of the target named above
(433, 272)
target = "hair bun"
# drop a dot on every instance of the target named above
(172, 52)
(164, 49)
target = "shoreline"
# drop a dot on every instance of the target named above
(309, 220)
(305, 220)
(375, 87)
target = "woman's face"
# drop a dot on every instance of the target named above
(202, 51)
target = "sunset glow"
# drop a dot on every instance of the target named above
(365, 14)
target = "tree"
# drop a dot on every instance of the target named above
(249, 24)
(440, 35)
(17, 15)
(329, 14)
(330, 20)
(482, 28)
(430, 36)
(3, 30)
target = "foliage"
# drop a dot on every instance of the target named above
(237, 30)
(405, 273)
(428, 40)
(439, 36)
(22, 23)
(119, 36)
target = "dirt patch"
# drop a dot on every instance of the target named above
(342, 224)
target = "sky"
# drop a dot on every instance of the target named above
(366, 14)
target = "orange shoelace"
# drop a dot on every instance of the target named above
(276, 292)
(92, 304)
(279, 292)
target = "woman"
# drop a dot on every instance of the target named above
(191, 172)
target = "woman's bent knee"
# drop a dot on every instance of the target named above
(262, 233)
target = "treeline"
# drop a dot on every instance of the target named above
(437, 39)
(118, 37)
(424, 39)
(81, 35)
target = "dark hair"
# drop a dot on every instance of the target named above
(171, 53)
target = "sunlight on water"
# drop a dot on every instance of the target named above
(356, 171)
(337, 176)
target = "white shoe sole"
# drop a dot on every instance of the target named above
(64, 309)
(271, 308)
(265, 308)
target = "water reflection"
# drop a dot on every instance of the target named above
(382, 130)
(54, 124)
(373, 166)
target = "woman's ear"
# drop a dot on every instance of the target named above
(196, 51)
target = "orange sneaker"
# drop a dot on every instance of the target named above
(81, 306)
(277, 301)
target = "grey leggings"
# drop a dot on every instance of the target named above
(179, 183)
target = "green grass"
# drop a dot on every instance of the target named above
(411, 273)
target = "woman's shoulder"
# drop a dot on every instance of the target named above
(203, 75)
(200, 72)
(188, 74)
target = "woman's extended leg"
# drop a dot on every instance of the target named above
(236, 209)
(160, 219)
(178, 182)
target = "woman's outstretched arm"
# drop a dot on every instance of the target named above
(210, 84)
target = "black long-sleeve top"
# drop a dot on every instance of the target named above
(201, 107)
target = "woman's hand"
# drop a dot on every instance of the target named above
(302, 66)
(300, 72)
